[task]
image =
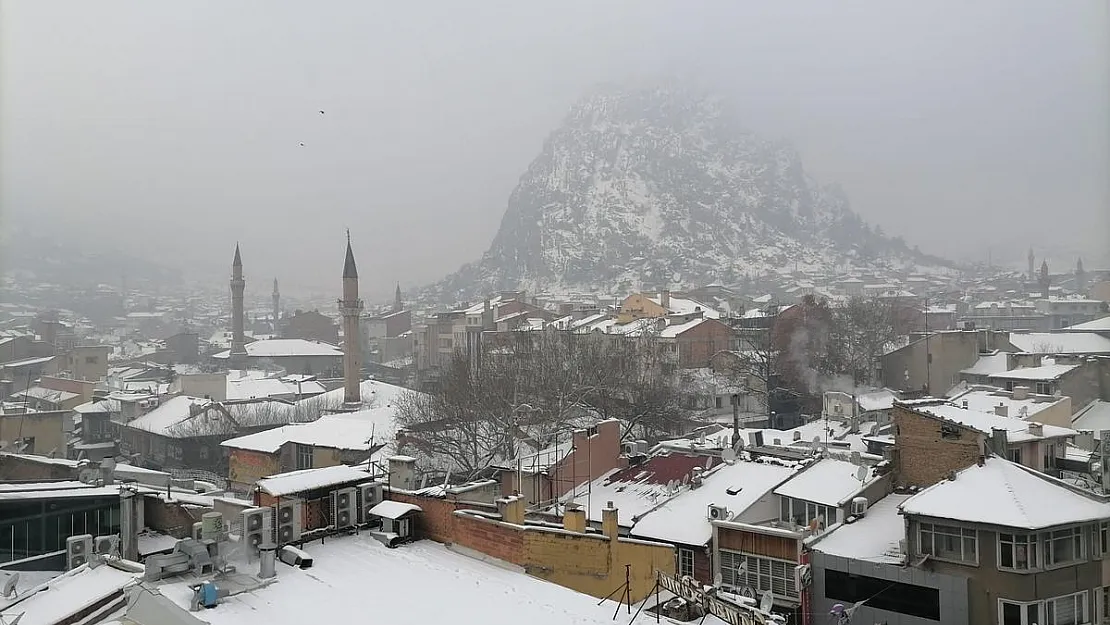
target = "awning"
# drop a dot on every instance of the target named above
(394, 509)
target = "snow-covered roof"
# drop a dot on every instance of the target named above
(170, 413)
(1094, 417)
(1006, 494)
(66, 595)
(393, 509)
(539, 461)
(1061, 342)
(874, 538)
(683, 517)
(373, 393)
(354, 431)
(673, 330)
(254, 388)
(277, 348)
(988, 364)
(1043, 372)
(684, 306)
(829, 482)
(882, 399)
(46, 394)
(1017, 429)
(1097, 325)
(986, 398)
(310, 479)
(424, 582)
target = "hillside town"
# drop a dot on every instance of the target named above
(806, 447)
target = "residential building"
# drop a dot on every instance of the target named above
(1083, 379)
(1054, 343)
(310, 325)
(1068, 311)
(1031, 547)
(33, 431)
(1006, 316)
(930, 363)
(1019, 402)
(762, 548)
(292, 355)
(87, 362)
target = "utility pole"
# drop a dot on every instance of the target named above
(735, 419)
(928, 353)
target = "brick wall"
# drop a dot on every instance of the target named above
(171, 518)
(490, 537)
(17, 468)
(437, 521)
(923, 457)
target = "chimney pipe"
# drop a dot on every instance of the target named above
(1002, 410)
(665, 299)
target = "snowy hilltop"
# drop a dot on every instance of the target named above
(641, 188)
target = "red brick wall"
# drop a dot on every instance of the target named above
(923, 457)
(698, 344)
(490, 537)
(437, 521)
(171, 518)
(591, 458)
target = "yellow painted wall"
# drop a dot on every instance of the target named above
(638, 306)
(324, 457)
(594, 564)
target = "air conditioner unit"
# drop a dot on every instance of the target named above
(628, 448)
(369, 495)
(106, 545)
(717, 513)
(859, 506)
(343, 507)
(287, 525)
(78, 550)
(257, 527)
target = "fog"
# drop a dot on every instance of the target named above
(173, 131)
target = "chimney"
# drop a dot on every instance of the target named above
(797, 435)
(1002, 410)
(665, 299)
(1036, 429)
(107, 471)
(1021, 392)
(511, 509)
(609, 525)
(998, 442)
(574, 519)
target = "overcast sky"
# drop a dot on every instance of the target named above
(172, 130)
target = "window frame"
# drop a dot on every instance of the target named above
(1074, 535)
(683, 555)
(1046, 609)
(757, 572)
(300, 453)
(1011, 541)
(964, 534)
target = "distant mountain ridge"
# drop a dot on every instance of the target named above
(640, 188)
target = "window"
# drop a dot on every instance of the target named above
(739, 571)
(717, 402)
(946, 542)
(1102, 604)
(686, 562)
(1014, 455)
(1014, 613)
(91, 360)
(882, 594)
(1044, 388)
(1103, 534)
(1066, 610)
(1063, 546)
(800, 512)
(1017, 552)
(304, 457)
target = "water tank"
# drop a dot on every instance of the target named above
(211, 525)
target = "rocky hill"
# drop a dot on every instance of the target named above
(642, 188)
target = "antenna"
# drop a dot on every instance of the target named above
(9, 585)
(766, 601)
(729, 456)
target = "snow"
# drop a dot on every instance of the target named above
(355, 578)
(882, 399)
(874, 538)
(66, 595)
(1006, 494)
(97, 491)
(1017, 429)
(683, 306)
(1098, 325)
(682, 518)
(985, 398)
(1043, 372)
(539, 461)
(251, 388)
(1061, 342)
(1094, 417)
(674, 330)
(310, 479)
(356, 431)
(373, 393)
(988, 364)
(277, 348)
(168, 414)
(153, 542)
(829, 481)
(393, 509)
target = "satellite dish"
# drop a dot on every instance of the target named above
(9, 585)
(717, 579)
(766, 602)
(729, 456)
(686, 479)
(861, 474)
(670, 486)
(708, 462)
(742, 569)
(748, 592)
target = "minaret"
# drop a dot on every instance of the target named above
(1080, 276)
(238, 285)
(351, 309)
(1044, 281)
(1032, 273)
(277, 307)
(398, 305)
